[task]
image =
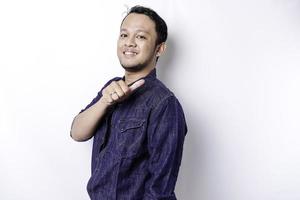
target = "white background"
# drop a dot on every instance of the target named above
(234, 66)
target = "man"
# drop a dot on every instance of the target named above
(137, 123)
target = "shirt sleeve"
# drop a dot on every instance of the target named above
(99, 95)
(166, 133)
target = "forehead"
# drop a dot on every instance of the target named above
(136, 21)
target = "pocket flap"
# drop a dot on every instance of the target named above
(130, 124)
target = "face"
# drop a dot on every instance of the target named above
(137, 43)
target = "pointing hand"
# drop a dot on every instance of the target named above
(117, 91)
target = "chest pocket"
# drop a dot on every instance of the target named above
(131, 137)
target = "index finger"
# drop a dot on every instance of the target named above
(136, 85)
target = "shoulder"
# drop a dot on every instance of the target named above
(157, 93)
(164, 103)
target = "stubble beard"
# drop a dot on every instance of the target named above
(135, 68)
(138, 67)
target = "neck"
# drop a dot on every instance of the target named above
(131, 77)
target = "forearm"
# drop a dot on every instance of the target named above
(84, 124)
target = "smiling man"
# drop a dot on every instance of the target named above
(137, 124)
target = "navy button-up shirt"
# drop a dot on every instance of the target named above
(137, 146)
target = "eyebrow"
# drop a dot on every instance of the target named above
(137, 30)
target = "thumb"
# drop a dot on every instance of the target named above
(136, 85)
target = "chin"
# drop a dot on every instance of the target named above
(129, 65)
(133, 68)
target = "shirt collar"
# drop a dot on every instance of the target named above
(150, 76)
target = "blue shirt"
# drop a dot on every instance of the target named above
(137, 146)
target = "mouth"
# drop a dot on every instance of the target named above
(129, 53)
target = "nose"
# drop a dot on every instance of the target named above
(130, 42)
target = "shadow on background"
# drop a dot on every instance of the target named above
(191, 179)
(166, 61)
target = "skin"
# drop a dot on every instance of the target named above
(136, 44)
(137, 52)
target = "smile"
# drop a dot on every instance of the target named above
(129, 53)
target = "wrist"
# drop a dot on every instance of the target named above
(103, 103)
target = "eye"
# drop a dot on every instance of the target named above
(123, 35)
(141, 37)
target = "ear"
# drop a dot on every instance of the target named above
(161, 49)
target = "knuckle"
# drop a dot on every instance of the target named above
(120, 91)
(126, 90)
(114, 83)
(109, 87)
(105, 90)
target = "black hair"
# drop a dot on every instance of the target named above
(160, 25)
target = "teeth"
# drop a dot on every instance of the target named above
(129, 53)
